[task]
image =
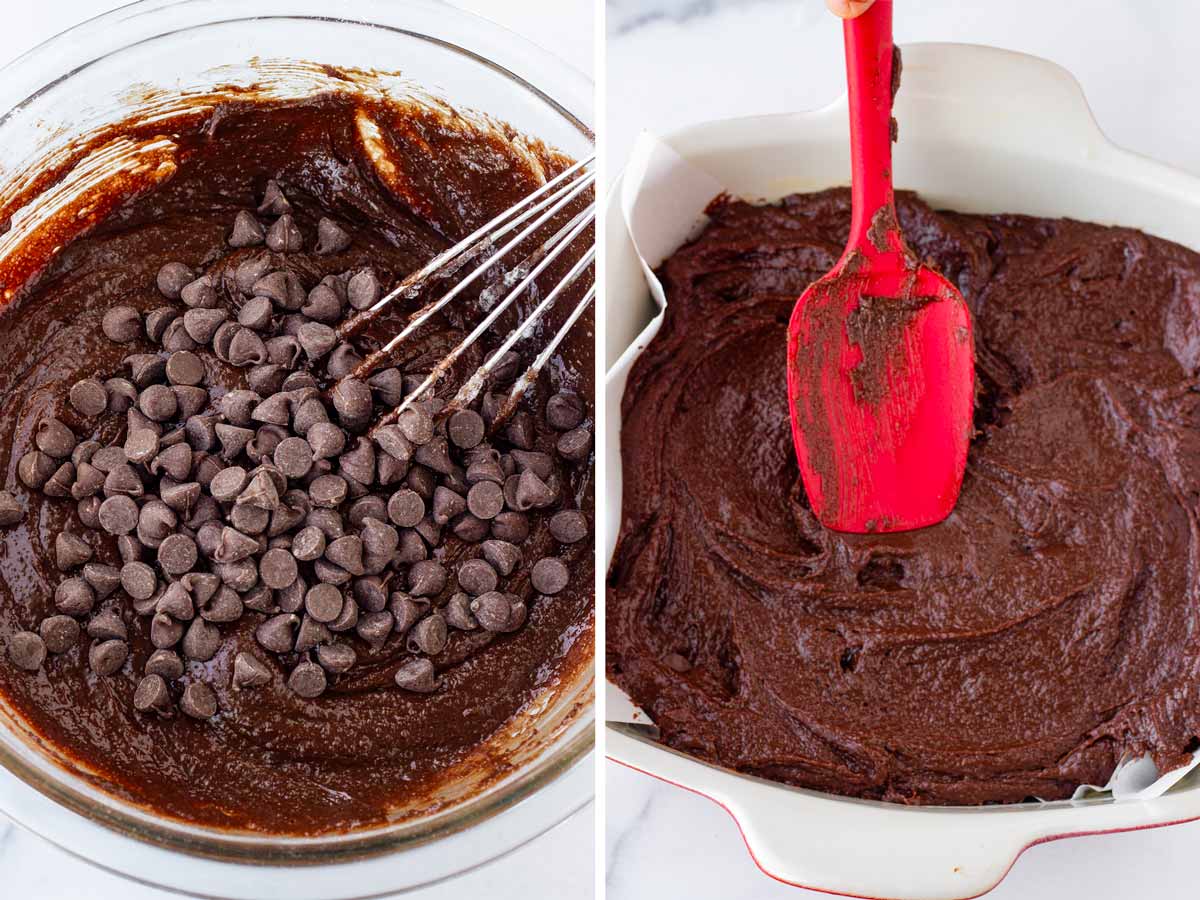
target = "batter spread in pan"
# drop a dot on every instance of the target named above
(1047, 629)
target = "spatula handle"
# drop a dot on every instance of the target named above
(869, 61)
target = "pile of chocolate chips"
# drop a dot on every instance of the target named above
(274, 502)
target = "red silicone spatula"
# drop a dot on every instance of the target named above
(881, 357)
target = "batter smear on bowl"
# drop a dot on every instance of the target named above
(1021, 648)
(224, 595)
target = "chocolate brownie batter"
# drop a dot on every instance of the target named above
(293, 742)
(1021, 648)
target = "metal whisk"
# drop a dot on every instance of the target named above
(492, 241)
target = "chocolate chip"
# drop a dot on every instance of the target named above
(233, 439)
(492, 610)
(503, 556)
(549, 575)
(225, 605)
(198, 701)
(374, 628)
(308, 680)
(308, 544)
(103, 579)
(353, 403)
(540, 464)
(342, 361)
(476, 576)
(141, 446)
(123, 481)
(388, 386)
(202, 324)
(249, 519)
(465, 428)
(35, 469)
(122, 394)
(275, 410)
(336, 657)
(568, 526)
(358, 463)
(406, 611)
(428, 636)
(370, 593)
(284, 236)
(60, 483)
(122, 324)
(175, 337)
(426, 578)
(277, 633)
(200, 294)
(346, 552)
(249, 671)
(146, 369)
(485, 500)
(564, 411)
(88, 397)
(202, 586)
(165, 631)
(107, 657)
(10, 510)
(458, 613)
(392, 441)
(284, 350)
(118, 515)
(507, 368)
(256, 314)
(70, 551)
(416, 425)
(247, 349)
(575, 445)
(406, 508)
(54, 438)
(74, 597)
(229, 483)
(274, 202)
(247, 230)
(155, 522)
(281, 288)
(331, 237)
(323, 602)
(417, 676)
(329, 521)
(177, 554)
(363, 289)
(328, 491)
(172, 278)
(59, 633)
(430, 531)
(27, 651)
(107, 626)
(164, 663)
(277, 569)
(185, 367)
(241, 575)
(470, 528)
(152, 695)
(531, 492)
(446, 505)
(201, 641)
(311, 632)
(176, 602)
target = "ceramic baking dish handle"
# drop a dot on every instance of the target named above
(1001, 98)
(881, 850)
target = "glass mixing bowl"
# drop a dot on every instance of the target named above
(95, 74)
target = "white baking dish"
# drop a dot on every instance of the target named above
(982, 130)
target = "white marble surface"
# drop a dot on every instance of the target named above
(1136, 63)
(559, 864)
